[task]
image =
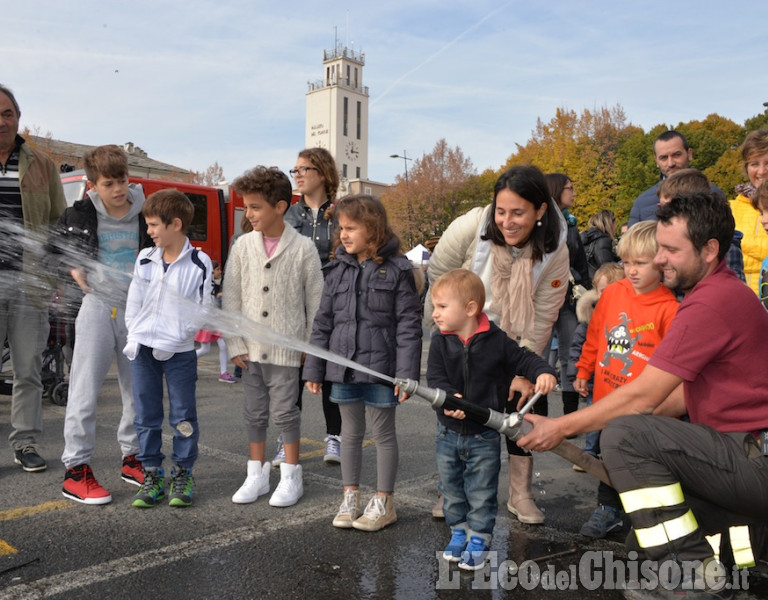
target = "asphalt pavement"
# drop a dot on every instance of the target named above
(51, 547)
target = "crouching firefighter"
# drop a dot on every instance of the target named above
(696, 491)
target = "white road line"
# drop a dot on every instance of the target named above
(73, 580)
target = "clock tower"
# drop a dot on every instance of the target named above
(337, 112)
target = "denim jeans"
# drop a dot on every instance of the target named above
(180, 372)
(592, 440)
(469, 478)
(372, 394)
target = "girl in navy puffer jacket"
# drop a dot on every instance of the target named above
(369, 313)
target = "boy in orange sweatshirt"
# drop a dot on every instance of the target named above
(630, 319)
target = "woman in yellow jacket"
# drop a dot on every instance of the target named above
(754, 245)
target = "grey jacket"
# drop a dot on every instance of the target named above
(371, 314)
(320, 230)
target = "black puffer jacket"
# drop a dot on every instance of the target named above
(598, 247)
(320, 230)
(371, 314)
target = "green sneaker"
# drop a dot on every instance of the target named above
(152, 490)
(182, 486)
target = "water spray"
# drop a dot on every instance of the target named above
(512, 425)
(111, 285)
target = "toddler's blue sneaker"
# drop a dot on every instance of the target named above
(456, 546)
(475, 555)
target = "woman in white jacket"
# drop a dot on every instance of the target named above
(517, 247)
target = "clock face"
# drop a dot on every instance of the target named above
(351, 151)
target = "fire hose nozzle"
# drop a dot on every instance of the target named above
(436, 397)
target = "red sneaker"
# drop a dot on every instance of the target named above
(132, 470)
(81, 486)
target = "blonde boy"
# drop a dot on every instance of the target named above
(629, 321)
(606, 274)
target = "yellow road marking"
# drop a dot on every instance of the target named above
(321, 450)
(26, 511)
(6, 549)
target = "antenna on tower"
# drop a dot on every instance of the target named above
(335, 38)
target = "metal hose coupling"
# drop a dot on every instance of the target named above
(512, 425)
(435, 396)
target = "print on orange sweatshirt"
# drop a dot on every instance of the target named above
(624, 331)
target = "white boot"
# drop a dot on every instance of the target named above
(256, 483)
(290, 488)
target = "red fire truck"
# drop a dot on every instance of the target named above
(218, 211)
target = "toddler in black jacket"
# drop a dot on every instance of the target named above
(472, 358)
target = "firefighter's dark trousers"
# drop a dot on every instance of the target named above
(679, 482)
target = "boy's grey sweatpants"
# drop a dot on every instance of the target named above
(100, 336)
(271, 389)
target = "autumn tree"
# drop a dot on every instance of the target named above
(212, 176)
(585, 147)
(611, 162)
(434, 194)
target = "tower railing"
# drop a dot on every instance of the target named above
(341, 51)
(339, 81)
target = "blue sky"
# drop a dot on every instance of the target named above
(193, 82)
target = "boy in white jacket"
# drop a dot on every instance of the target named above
(170, 283)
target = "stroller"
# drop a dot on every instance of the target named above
(6, 379)
(57, 354)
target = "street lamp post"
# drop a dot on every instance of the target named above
(409, 216)
(405, 158)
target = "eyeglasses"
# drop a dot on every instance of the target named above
(301, 171)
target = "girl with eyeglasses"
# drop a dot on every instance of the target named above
(317, 180)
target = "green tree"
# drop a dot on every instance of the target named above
(756, 122)
(710, 139)
(477, 191)
(727, 172)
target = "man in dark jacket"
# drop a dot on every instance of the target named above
(672, 153)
